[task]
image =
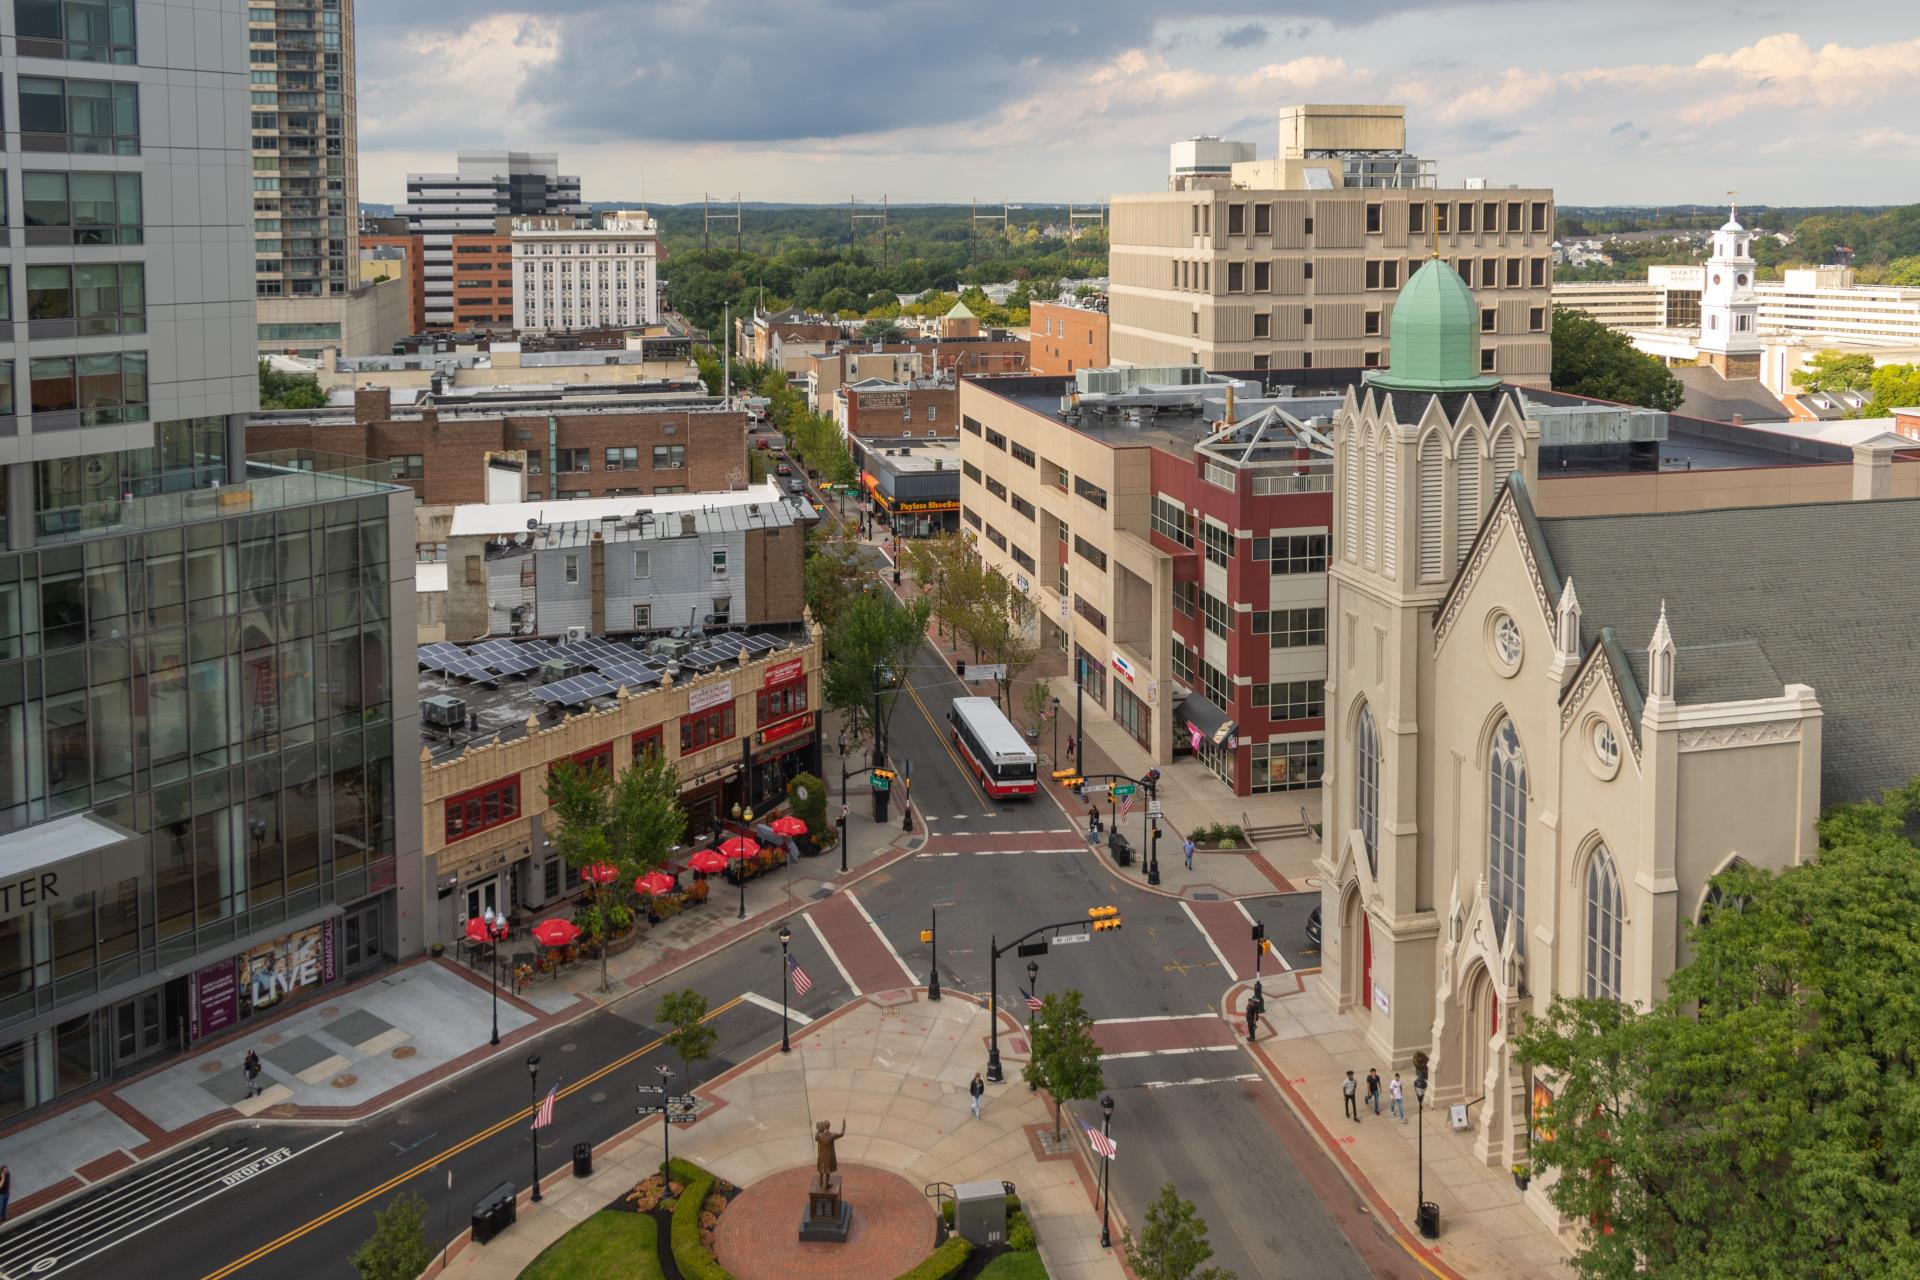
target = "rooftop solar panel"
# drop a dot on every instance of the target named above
(574, 691)
(761, 644)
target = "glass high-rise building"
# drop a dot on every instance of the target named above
(306, 185)
(204, 729)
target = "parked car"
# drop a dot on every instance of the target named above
(796, 485)
(1313, 929)
(761, 443)
(784, 470)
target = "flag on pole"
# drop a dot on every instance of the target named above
(801, 982)
(1102, 1145)
(1033, 1001)
(1126, 805)
(544, 1116)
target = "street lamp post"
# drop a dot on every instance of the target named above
(843, 824)
(1427, 1216)
(533, 1092)
(743, 817)
(1106, 1167)
(1080, 715)
(1056, 732)
(786, 936)
(843, 768)
(1033, 989)
(496, 927)
(995, 1073)
(933, 956)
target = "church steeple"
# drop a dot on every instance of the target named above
(1436, 336)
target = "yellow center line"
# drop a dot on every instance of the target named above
(427, 1165)
(941, 738)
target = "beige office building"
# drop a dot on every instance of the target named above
(1294, 263)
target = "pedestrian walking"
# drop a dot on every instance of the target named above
(1373, 1088)
(1187, 849)
(1348, 1089)
(1069, 746)
(251, 1069)
(977, 1088)
(1093, 824)
(1399, 1105)
(6, 1190)
(1256, 1006)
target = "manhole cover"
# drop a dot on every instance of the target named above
(404, 1052)
(210, 1067)
(345, 1081)
(1206, 897)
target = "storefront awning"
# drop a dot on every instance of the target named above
(1204, 721)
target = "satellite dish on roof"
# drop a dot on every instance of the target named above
(533, 522)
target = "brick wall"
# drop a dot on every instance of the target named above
(1067, 339)
(413, 273)
(776, 560)
(452, 450)
(897, 412)
(482, 281)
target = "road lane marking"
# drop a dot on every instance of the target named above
(401, 1179)
(832, 955)
(1181, 1084)
(767, 1003)
(128, 1199)
(1156, 1053)
(854, 898)
(1157, 1017)
(973, 783)
(1211, 944)
(1276, 951)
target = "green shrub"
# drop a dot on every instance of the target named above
(695, 1260)
(1020, 1233)
(1204, 834)
(943, 1262)
(1230, 834)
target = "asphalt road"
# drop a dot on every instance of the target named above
(268, 1199)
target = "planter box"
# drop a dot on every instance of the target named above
(623, 943)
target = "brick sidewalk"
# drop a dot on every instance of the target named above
(895, 1067)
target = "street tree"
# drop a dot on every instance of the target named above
(1172, 1244)
(1590, 359)
(1759, 1119)
(938, 566)
(692, 1036)
(577, 827)
(832, 575)
(1894, 386)
(1065, 1058)
(868, 656)
(1832, 371)
(398, 1248)
(289, 390)
(1038, 702)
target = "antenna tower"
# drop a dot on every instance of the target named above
(1075, 216)
(855, 218)
(975, 218)
(708, 217)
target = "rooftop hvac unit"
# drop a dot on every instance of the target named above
(443, 711)
(557, 669)
(576, 635)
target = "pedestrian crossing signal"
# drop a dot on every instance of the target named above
(926, 935)
(1104, 918)
(1266, 946)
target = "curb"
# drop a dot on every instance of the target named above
(1391, 1222)
(199, 1130)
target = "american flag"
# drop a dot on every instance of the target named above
(1126, 805)
(801, 982)
(1033, 1001)
(544, 1115)
(1102, 1145)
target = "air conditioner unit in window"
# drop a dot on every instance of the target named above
(575, 635)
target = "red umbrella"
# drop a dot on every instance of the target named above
(707, 860)
(601, 873)
(739, 847)
(790, 826)
(556, 932)
(655, 884)
(477, 930)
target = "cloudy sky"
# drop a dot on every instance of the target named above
(1606, 101)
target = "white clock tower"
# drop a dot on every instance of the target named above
(1729, 309)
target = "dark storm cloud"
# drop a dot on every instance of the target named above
(754, 71)
(1250, 36)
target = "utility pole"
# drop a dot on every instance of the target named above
(708, 217)
(855, 218)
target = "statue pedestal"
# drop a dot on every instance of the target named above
(828, 1218)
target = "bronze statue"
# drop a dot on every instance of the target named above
(824, 1162)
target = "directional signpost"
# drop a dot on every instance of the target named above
(677, 1108)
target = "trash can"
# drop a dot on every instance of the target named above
(583, 1159)
(1429, 1219)
(494, 1212)
(1121, 849)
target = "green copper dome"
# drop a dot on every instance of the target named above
(1436, 336)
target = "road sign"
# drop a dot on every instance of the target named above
(1062, 939)
(1035, 948)
(682, 1100)
(881, 784)
(1123, 789)
(978, 672)
(681, 1119)
(649, 1088)
(1153, 809)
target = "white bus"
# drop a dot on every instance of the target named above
(993, 749)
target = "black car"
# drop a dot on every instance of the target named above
(1313, 929)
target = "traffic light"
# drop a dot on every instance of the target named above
(1104, 918)
(1259, 932)
(926, 936)
(1266, 946)
(1069, 779)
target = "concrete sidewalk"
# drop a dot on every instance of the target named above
(896, 1068)
(1486, 1233)
(354, 1051)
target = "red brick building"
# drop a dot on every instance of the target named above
(606, 449)
(411, 271)
(483, 281)
(1064, 338)
(895, 409)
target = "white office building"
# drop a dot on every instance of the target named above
(573, 274)
(486, 186)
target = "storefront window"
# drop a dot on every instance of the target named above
(1132, 715)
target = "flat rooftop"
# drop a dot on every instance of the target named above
(502, 681)
(490, 519)
(1691, 444)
